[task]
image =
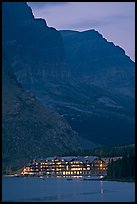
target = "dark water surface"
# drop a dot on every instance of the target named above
(16, 189)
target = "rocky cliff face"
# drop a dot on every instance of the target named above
(90, 82)
(34, 50)
(94, 60)
(30, 130)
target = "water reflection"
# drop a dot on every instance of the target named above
(21, 189)
(101, 187)
(56, 197)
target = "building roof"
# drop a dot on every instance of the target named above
(84, 159)
(50, 158)
(69, 158)
(90, 158)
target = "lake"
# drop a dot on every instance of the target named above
(17, 189)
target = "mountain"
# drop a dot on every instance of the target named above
(30, 130)
(30, 44)
(108, 76)
(94, 60)
(85, 78)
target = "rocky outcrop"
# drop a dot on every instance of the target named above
(29, 129)
(90, 82)
(34, 50)
(94, 60)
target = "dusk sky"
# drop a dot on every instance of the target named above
(114, 20)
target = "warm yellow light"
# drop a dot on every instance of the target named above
(58, 162)
(88, 168)
(63, 172)
(67, 167)
(57, 169)
(100, 165)
(73, 169)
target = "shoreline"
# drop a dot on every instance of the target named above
(119, 179)
(92, 178)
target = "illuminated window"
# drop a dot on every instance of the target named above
(64, 172)
(88, 168)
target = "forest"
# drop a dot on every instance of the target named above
(123, 169)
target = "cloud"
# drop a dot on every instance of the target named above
(88, 24)
(39, 5)
(114, 20)
(63, 13)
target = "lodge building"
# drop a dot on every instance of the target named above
(66, 166)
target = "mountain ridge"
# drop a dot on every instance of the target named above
(80, 75)
(30, 129)
(94, 60)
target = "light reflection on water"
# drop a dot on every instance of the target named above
(58, 196)
(63, 190)
(101, 187)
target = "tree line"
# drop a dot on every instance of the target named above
(111, 151)
(122, 168)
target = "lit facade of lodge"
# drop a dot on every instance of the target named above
(66, 166)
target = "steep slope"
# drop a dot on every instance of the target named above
(30, 130)
(94, 60)
(90, 82)
(34, 50)
(107, 78)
